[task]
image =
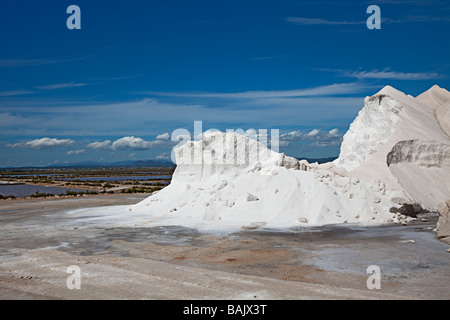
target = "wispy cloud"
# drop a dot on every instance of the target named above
(13, 93)
(386, 74)
(313, 106)
(150, 115)
(396, 75)
(408, 19)
(411, 2)
(262, 58)
(10, 63)
(319, 21)
(121, 77)
(61, 86)
(43, 143)
(328, 90)
(384, 20)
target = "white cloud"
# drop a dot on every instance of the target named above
(316, 136)
(313, 133)
(163, 156)
(292, 136)
(75, 152)
(164, 136)
(133, 143)
(105, 145)
(334, 132)
(43, 143)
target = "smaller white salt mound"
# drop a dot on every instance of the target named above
(229, 180)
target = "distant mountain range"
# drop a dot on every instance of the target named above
(319, 160)
(132, 164)
(117, 164)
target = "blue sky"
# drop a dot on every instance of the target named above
(137, 70)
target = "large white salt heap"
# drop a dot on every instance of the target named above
(402, 141)
(396, 152)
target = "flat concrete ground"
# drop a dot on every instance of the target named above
(37, 246)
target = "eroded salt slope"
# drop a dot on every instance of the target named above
(434, 97)
(439, 99)
(372, 129)
(392, 123)
(423, 167)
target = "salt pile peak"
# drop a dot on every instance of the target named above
(399, 140)
(438, 99)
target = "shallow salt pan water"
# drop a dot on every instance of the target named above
(23, 190)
